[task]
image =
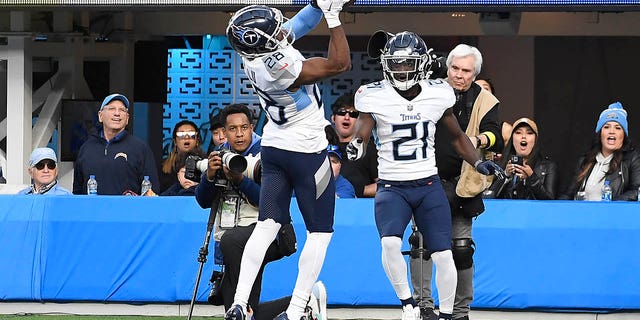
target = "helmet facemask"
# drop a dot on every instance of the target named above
(405, 59)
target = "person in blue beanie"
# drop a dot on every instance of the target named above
(611, 157)
(43, 169)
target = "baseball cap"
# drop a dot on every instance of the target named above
(40, 154)
(334, 150)
(522, 121)
(115, 96)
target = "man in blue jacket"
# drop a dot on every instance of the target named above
(118, 160)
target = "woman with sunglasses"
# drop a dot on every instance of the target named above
(43, 170)
(186, 140)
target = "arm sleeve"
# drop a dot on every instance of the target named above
(304, 21)
(544, 190)
(205, 190)
(490, 123)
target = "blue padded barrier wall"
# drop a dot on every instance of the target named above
(552, 255)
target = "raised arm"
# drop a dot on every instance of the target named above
(338, 58)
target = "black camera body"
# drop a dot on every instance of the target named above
(516, 159)
(194, 166)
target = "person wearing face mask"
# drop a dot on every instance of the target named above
(611, 157)
(529, 174)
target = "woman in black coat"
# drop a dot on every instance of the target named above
(611, 157)
(530, 175)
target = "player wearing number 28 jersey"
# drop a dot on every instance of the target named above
(294, 156)
(402, 111)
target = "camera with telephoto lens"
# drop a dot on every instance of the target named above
(516, 159)
(249, 166)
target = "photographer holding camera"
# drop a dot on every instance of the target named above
(238, 211)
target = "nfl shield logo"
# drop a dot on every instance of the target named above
(409, 107)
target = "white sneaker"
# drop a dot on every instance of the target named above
(318, 302)
(410, 312)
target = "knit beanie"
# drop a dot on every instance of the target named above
(616, 113)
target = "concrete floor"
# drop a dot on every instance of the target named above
(333, 313)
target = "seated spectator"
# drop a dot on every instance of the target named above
(216, 126)
(43, 169)
(530, 174)
(611, 157)
(186, 139)
(118, 160)
(344, 189)
(183, 186)
(362, 173)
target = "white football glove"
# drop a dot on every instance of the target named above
(331, 10)
(355, 149)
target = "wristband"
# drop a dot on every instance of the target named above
(475, 164)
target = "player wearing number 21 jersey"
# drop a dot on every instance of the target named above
(402, 111)
(405, 129)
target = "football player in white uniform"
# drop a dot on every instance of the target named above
(403, 110)
(294, 156)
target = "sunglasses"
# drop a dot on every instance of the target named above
(352, 114)
(50, 164)
(187, 134)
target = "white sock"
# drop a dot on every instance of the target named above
(446, 279)
(395, 267)
(252, 257)
(309, 266)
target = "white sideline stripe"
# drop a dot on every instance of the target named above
(204, 310)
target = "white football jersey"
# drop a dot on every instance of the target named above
(296, 119)
(404, 131)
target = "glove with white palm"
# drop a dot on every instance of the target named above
(488, 168)
(355, 149)
(331, 10)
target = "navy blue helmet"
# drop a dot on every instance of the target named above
(256, 30)
(405, 60)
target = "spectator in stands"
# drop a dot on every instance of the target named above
(216, 126)
(183, 186)
(362, 173)
(344, 189)
(530, 174)
(186, 139)
(118, 159)
(233, 227)
(477, 113)
(611, 157)
(43, 170)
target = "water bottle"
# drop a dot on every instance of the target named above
(146, 186)
(606, 191)
(92, 186)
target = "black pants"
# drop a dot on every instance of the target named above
(232, 245)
